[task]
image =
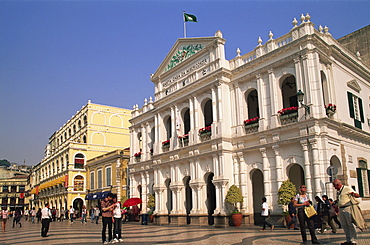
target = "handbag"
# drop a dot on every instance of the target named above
(310, 211)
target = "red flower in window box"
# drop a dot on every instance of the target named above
(166, 143)
(288, 110)
(331, 107)
(137, 154)
(251, 120)
(205, 130)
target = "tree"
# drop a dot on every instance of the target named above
(234, 196)
(151, 201)
(5, 163)
(286, 191)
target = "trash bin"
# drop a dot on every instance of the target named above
(144, 219)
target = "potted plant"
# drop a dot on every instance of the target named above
(234, 196)
(166, 144)
(286, 191)
(205, 133)
(330, 109)
(137, 156)
(151, 206)
(289, 111)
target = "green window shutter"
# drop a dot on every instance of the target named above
(361, 110)
(350, 104)
(358, 124)
(359, 181)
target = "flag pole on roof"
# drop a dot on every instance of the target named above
(188, 18)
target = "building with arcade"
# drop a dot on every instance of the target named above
(295, 107)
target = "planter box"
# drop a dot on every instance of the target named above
(205, 136)
(289, 118)
(251, 128)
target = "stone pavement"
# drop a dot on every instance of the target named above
(134, 233)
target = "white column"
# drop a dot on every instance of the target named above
(243, 182)
(316, 167)
(279, 167)
(192, 123)
(262, 95)
(307, 166)
(215, 165)
(266, 173)
(214, 112)
(236, 170)
(143, 142)
(273, 98)
(196, 120)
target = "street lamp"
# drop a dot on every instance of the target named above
(300, 96)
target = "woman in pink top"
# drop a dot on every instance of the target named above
(4, 217)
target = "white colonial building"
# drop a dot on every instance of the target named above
(217, 122)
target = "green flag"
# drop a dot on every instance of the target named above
(190, 17)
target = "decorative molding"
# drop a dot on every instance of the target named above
(353, 84)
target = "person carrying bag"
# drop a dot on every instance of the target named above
(301, 202)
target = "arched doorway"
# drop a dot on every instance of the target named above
(258, 192)
(77, 205)
(211, 197)
(188, 198)
(296, 176)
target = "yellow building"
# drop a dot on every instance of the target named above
(13, 192)
(107, 173)
(60, 178)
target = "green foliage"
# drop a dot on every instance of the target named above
(286, 191)
(5, 163)
(151, 200)
(234, 195)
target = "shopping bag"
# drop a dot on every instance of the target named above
(310, 211)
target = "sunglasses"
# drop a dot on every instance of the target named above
(303, 187)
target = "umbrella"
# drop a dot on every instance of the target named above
(132, 202)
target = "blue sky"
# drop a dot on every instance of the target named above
(57, 55)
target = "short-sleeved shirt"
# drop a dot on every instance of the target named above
(4, 214)
(265, 209)
(300, 199)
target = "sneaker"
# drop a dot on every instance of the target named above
(121, 240)
(106, 242)
(115, 240)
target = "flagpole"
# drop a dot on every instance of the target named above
(183, 16)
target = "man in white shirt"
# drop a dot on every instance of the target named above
(71, 213)
(265, 214)
(45, 220)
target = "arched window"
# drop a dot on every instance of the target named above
(289, 92)
(85, 120)
(84, 139)
(168, 126)
(186, 121)
(140, 139)
(78, 183)
(208, 113)
(79, 162)
(79, 125)
(252, 103)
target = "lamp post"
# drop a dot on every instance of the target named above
(300, 96)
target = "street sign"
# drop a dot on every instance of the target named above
(332, 171)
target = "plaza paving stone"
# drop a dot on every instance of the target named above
(134, 233)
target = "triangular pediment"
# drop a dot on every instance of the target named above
(181, 51)
(353, 84)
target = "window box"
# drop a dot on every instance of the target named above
(205, 133)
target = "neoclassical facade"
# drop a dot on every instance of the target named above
(60, 178)
(295, 107)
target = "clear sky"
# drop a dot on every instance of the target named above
(57, 55)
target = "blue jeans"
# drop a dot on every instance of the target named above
(83, 218)
(71, 217)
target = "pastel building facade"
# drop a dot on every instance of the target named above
(60, 178)
(216, 122)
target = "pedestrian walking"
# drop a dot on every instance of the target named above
(107, 208)
(96, 214)
(345, 213)
(26, 213)
(71, 213)
(84, 213)
(62, 213)
(17, 218)
(54, 213)
(46, 217)
(293, 214)
(300, 202)
(92, 214)
(318, 208)
(4, 217)
(117, 215)
(33, 215)
(265, 214)
(326, 217)
(38, 215)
